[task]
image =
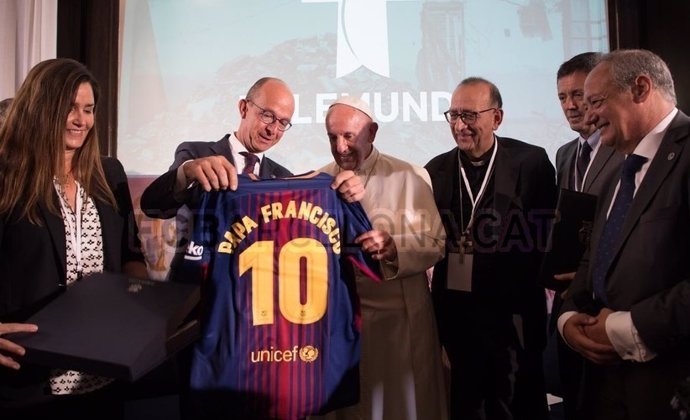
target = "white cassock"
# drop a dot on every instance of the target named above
(401, 373)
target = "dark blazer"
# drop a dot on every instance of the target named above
(605, 168)
(524, 192)
(605, 165)
(33, 258)
(158, 200)
(654, 248)
(650, 273)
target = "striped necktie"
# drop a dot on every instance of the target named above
(250, 160)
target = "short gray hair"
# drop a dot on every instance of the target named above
(628, 64)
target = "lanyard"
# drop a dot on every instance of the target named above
(579, 178)
(482, 189)
(74, 228)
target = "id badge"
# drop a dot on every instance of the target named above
(459, 271)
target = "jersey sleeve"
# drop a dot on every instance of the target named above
(358, 223)
(197, 256)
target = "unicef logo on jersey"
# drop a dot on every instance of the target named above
(194, 252)
(306, 354)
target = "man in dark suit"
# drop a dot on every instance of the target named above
(583, 164)
(265, 115)
(601, 160)
(628, 309)
(495, 196)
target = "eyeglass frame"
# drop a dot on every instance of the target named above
(473, 116)
(268, 117)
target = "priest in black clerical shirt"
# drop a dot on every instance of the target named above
(495, 196)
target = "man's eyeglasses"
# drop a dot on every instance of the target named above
(468, 117)
(269, 118)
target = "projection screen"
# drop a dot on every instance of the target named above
(186, 63)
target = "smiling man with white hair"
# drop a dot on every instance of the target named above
(401, 371)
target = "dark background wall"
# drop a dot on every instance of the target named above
(661, 26)
(88, 30)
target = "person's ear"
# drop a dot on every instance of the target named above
(242, 105)
(498, 118)
(642, 88)
(373, 129)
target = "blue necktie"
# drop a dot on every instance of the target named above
(250, 160)
(614, 223)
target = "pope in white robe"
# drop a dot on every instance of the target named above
(401, 374)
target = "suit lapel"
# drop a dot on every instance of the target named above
(569, 164)
(266, 168)
(56, 228)
(602, 157)
(222, 147)
(603, 205)
(663, 162)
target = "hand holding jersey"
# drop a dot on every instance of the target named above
(349, 186)
(280, 315)
(218, 174)
(211, 173)
(379, 243)
(400, 365)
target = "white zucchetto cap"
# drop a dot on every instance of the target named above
(356, 103)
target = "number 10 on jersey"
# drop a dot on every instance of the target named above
(299, 257)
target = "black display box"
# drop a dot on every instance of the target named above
(569, 236)
(111, 325)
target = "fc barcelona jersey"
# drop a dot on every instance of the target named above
(280, 319)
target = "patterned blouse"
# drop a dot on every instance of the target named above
(89, 246)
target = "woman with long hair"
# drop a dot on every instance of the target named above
(65, 212)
